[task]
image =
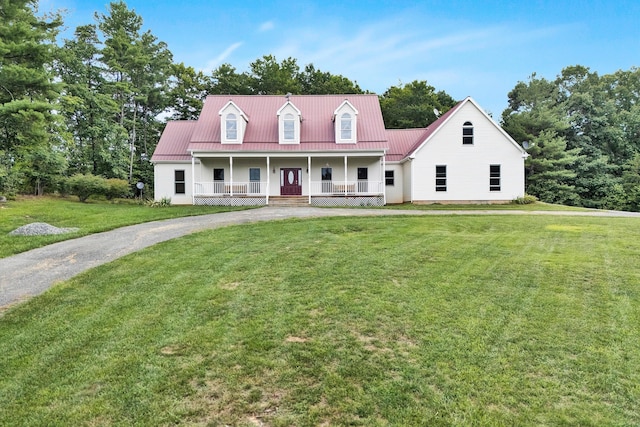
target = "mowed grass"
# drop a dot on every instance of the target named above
(89, 218)
(474, 320)
(97, 216)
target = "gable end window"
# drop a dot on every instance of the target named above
(389, 178)
(178, 179)
(441, 178)
(289, 127)
(231, 127)
(345, 126)
(494, 178)
(467, 133)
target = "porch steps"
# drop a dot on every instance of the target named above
(289, 201)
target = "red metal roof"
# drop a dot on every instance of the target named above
(401, 141)
(317, 114)
(174, 141)
(317, 131)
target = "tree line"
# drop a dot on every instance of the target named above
(583, 134)
(96, 104)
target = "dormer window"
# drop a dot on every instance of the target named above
(231, 127)
(289, 127)
(289, 122)
(345, 126)
(345, 119)
(467, 133)
(233, 124)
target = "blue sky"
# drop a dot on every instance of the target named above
(481, 49)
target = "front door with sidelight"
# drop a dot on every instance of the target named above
(291, 182)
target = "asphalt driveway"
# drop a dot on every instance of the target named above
(31, 273)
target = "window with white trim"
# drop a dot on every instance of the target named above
(179, 182)
(254, 180)
(494, 177)
(254, 174)
(289, 127)
(231, 127)
(441, 178)
(467, 133)
(389, 178)
(346, 125)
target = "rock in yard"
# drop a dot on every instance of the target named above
(40, 229)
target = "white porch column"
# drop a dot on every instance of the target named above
(193, 180)
(384, 181)
(345, 175)
(230, 176)
(268, 177)
(309, 176)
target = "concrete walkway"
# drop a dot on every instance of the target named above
(31, 273)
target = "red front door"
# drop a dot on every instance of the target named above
(290, 182)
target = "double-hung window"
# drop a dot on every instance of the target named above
(441, 178)
(178, 178)
(345, 126)
(467, 133)
(327, 184)
(289, 127)
(389, 178)
(254, 180)
(363, 177)
(231, 127)
(494, 178)
(218, 180)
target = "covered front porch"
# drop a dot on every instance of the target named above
(323, 180)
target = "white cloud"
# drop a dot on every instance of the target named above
(222, 57)
(266, 26)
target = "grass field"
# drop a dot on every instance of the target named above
(474, 320)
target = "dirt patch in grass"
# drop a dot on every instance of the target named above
(296, 339)
(230, 286)
(173, 350)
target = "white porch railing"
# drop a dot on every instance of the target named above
(336, 188)
(220, 188)
(318, 188)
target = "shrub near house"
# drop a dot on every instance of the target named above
(86, 185)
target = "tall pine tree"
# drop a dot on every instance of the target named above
(30, 158)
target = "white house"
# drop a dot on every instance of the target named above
(333, 150)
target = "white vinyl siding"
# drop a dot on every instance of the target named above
(467, 165)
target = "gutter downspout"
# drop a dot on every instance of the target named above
(268, 178)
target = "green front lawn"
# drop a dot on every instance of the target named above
(98, 216)
(474, 320)
(90, 218)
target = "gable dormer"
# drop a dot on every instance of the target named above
(345, 119)
(233, 124)
(289, 120)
